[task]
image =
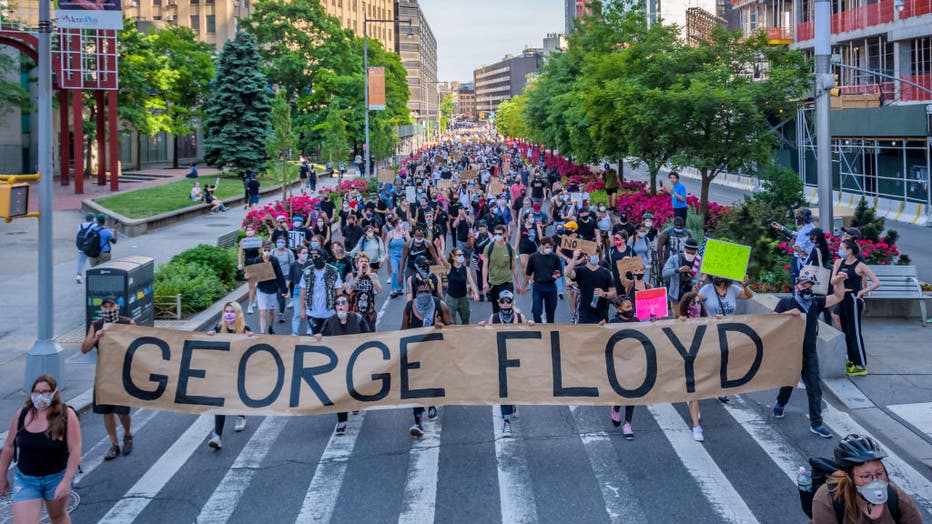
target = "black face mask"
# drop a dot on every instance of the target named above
(639, 276)
(318, 263)
(626, 314)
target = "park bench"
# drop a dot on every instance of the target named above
(900, 283)
(228, 240)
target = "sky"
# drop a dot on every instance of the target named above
(474, 33)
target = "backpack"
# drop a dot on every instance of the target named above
(822, 468)
(21, 425)
(79, 236)
(90, 246)
(511, 252)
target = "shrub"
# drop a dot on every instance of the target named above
(220, 261)
(197, 284)
(867, 221)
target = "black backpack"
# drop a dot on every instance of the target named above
(822, 468)
(79, 236)
(90, 246)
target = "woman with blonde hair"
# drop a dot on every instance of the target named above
(233, 322)
(48, 437)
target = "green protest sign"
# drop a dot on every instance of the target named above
(724, 259)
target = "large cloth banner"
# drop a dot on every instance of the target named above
(647, 363)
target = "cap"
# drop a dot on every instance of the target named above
(571, 225)
(691, 243)
(101, 216)
(298, 218)
(109, 298)
(506, 294)
(817, 232)
(648, 215)
(89, 216)
(536, 206)
(853, 232)
(678, 222)
(281, 218)
(266, 243)
(806, 277)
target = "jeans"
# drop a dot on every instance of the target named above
(314, 325)
(82, 259)
(561, 282)
(544, 297)
(296, 318)
(507, 411)
(495, 290)
(810, 376)
(681, 212)
(395, 250)
(458, 306)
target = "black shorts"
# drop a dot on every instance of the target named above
(611, 191)
(106, 409)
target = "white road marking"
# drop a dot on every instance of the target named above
(321, 497)
(722, 496)
(514, 480)
(221, 504)
(617, 489)
(901, 473)
(132, 504)
(777, 448)
(95, 455)
(420, 495)
(917, 415)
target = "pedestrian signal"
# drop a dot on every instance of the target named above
(14, 200)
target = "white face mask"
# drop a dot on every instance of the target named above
(548, 250)
(341, 315)
(874, 492)
(689, 257)
(460, 259)
(42, 400)
(497, 238)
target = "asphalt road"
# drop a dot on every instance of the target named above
(562, 464)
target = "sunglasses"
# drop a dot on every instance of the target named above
(341, 302)
(505, 301)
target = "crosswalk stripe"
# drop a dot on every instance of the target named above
(141, 494)
(321, 497)
(774, 445)
(515, 493)
(94, 456)
(722, 496)
(219, 507)
(904, 475)
(420, 495)
(617, 489)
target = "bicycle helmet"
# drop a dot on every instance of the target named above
(571, 225)
(854, 450)
(421, 262)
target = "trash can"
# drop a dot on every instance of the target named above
(129, 279)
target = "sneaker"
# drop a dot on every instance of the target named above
(724, 399)
(560, 296)
(290, 303)
(113, 453)
(240, 423)
(777, 410)
(341, 428)
(821, 431)
(697, 434)
(281, 319)
(627, 431)
(506, 429)
(127, 444)
(857, 371)
(249, 310)
(431, 413)
(416, 430)
(849, 365)
(78, 279)
(616, 415)
(214, 441)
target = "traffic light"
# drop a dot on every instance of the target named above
(14, 200)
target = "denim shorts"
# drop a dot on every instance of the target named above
(27, 487)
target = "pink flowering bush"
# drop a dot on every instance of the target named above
(295, 205)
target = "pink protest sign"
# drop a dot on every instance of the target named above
(651, 302)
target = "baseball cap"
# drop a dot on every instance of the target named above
(853, 232)
(109, 298)
(101, 216)
(692, 244)
(89, 216)
(806, 277)
(506, 294)
(298, 218)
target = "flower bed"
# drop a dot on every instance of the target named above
(301, 205)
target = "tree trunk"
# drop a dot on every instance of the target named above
(175, 142)
(621, 171)
(284, 183)
(653, 180)
(704, 194)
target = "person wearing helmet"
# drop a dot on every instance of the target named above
(861, 491)
(801, 242)
(421, 275)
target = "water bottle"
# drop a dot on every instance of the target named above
(595, 301)
(804, 480)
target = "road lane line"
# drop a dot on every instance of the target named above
(515, 493)
(221, 504)
(321, 497)
(132, 504)
(722, 496)
(95, 456)
(774, 445)
(420, 495)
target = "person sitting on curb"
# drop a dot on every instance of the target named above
(212, 201)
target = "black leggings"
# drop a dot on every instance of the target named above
(219, 421)
(851, 310)
(629, 412)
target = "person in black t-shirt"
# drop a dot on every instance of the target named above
(544, 268)
(804, 302)
(343, 322)
(624, 313)
(595, 289)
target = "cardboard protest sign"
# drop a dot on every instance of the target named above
(386, 175)
(469, 174)
(496, 187)
(259, 272)
(573, 243)
(410, 194)
(651, 302)
(444, 183)
(251, 242)
(631, 364)
(724, 259)
(576, 198)
(631, 264)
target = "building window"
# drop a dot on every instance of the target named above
(156, 2)
(208, 1)
(195, 1)
(196, 24)
(211, 23)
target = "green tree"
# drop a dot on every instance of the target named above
(282, 141)
(12, 94)
(511, 119)
(237, 123)
(446, 112)
(186, 97)
(335, 145)
(145, 76)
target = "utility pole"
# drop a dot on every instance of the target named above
(44, 356)
(824, 82)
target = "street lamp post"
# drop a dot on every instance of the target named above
(365, 69)
(824, 82)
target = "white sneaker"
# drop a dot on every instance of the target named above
(290, 304)
(249, 309)
(697, 434)
(78, 279)
(214, 441)
(240, 423)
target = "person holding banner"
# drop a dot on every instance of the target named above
(424, 310)
(460, 286)
(343, 322)
(231, 321)
(692, 307)
(624, 313)
(319, 289)
(269, 291)
(804, 302)
(249, 250)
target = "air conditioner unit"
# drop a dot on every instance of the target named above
(172, 2)
(169, 18)
(235, 3)
(132, 3)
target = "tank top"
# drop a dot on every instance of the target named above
(456, 282)
(415, 251)
(518, 319)
(40, 455)
(854, 282)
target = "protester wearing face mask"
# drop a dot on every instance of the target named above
(543, 270)
(424, 310)
(596, 288)
(319, 289)
(321, 228)
(397, 239)
(678, 274)
(801, 243)
(361, 287)
(352, 232)
(500, 271)
(861, 490)
(852, 307)
(373, 247)
(110, 314)
(249, 249)
(269, 291)
(231, 321)
(641, 247)
(285, 259)
(343, 322)
(280, 231)
(803, 302)
(624, 313)
(670, 242)
(47, 435)
(418, 246)
(460, 286)
(587, 226)
(296, 274)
